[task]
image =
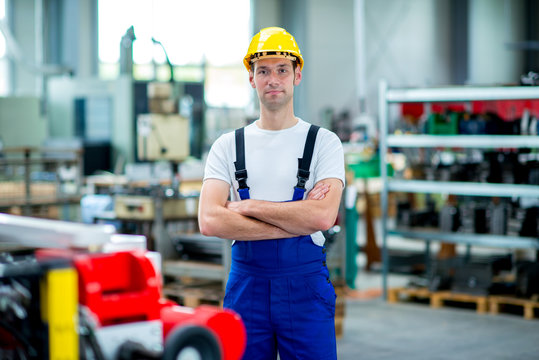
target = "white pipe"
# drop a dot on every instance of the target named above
(45, 233)
(359, 37)
(38, 43)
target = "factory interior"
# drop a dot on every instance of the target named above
(109, 109)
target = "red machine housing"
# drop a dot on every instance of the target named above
(119, 287)
(226, 324)
(124, 287)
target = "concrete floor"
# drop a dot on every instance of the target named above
(375, 329)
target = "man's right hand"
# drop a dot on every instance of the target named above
(319, 191)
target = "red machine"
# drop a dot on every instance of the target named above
(73, 304)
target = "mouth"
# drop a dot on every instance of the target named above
(273, 92)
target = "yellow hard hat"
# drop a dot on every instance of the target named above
(273, 42)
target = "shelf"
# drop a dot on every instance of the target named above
(463, 188)
(389, 96)
(197, 237)
(195, 269)
(488, 240)
(464, 141)
(462, 93)
(201, 269)
(40, 201)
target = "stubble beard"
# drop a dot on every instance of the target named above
(276, 104)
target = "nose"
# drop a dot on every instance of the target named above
(273, 78)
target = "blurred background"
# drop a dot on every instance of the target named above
(108, 109)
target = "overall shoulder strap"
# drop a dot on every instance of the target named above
(304, 163)
(241, 172)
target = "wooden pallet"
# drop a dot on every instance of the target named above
(493, 304)
(395, 294)
(340, 307)
(339, 327)
(528, 305)
(195, 294)
(438, 299)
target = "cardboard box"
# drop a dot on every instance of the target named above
(163, 106)
(162, 137)
(159, 90)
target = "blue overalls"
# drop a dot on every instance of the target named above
(281, 287)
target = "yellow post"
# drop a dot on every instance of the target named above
(59, 304)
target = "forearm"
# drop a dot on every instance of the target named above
(232, 220)
(226, 224)
(317, 212)
(300, 217)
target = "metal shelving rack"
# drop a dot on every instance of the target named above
(389, 96)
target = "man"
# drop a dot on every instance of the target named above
(279, 282)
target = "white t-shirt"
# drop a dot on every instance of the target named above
(271, 160)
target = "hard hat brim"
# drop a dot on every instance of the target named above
(249, 60)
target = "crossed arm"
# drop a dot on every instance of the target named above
(258, 220)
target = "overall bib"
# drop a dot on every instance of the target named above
(281, 287)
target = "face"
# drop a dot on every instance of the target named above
(274, 80)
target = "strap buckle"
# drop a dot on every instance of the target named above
(241, 177)
(303, 176)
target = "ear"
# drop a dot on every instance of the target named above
(297, 76)
(252, 78)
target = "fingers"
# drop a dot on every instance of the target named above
(318, 192)
(237, 206)
(232, 205)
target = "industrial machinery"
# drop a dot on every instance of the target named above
(63, 295)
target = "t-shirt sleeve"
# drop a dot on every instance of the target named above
(330, 162)
(217, 161)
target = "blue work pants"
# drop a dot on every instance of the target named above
(282, 291)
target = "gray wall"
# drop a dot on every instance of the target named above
(327, 38)
(496, 23)
(21, 123)
(406, 42)
(22, 25)
(330, 64)
(324, 32)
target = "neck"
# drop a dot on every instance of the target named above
(277, 119)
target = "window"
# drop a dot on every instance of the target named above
(4, 74)
(204, 40)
